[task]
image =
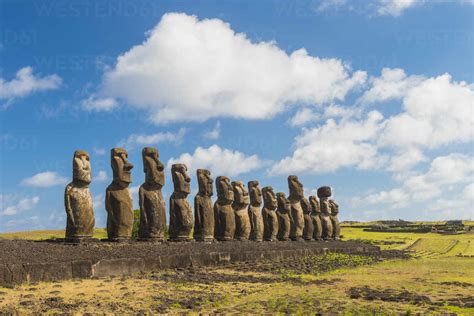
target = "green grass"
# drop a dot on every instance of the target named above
(46, 234)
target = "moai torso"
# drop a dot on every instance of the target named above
(324, 193)
(203, 213)
(118, 201)
(181, 215)
(78, 200)
(315, 217)
(152, 204)
(283, 211)
(223, 213)
(255, 212)
(308, 230)
(336, 228)
(296, 215)
(240, 206)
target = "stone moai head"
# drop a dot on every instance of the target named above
(296, 188)
(324, 193)
(121, 167)
(306, 205)
(205, 182)
(181, 179)
(314, 204)
(334, 207)
(225, 193)
(241, 195)
(152, 166)
(269, 198)
(255, 193)
(283, 203)
(81, 168)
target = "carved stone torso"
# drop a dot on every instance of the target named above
(256, 223)
(120, 212)
(308, 230)
(79, 200)
(181, 218)
(326, 218)
(203, 218)
(270, 224)
(315, 217)
(225, 221)
(297, 220)
(284, 218)
(152, 213)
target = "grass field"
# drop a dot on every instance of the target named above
(436, 280)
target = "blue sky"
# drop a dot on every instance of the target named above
(374, 98)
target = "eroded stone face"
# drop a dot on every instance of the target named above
(240, 206)
(203, 212)
(270, 218)
(118, 201)
(78, 199)
(296, 189)
(255, 213)
(181, 215)
(152, 205)
(283, 212)
(255, 193)
(223, 212)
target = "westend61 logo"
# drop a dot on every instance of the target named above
(96, 8)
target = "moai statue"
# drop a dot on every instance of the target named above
(224, 228)
(255, 212)
(118, 201)
(203, 212)
(336, 228)
(296, 213)
(270, 218)
(181, 214)
(78, 199)
(308, 230)
(323, 194)
(152, 205)
(240, 206)
(284, 221)
(316, 218)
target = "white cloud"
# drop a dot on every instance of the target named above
(334, 145)
(219, 161)
(25, 83)
(153, 139)
(440, 181)
(396, 7)
(213, 133)
(303, 116)
(98, 201)
(92, 103)
(45, 180)
(101, 176)
(99, 151)
(192, 70)
(331, 4)
(405, 159)
(19, 205)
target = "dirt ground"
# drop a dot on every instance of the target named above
(334, 283)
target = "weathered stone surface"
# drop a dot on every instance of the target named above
(255, 212)
(324, 192)
(240, 206)
(152, 204)
(181, 214)
(336, 228)
(270, 218)
(283, 211)
(203, 213)
(325, 213)
(296, 215)
(223, 213)
(315, 217)
(308, 230)
(78, 199)
(118, 201)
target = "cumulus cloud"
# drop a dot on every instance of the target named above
(17, 205)
(25, 83)
(213, 133)
(396, 7)
(92, 103)
(45, 180)
(220, 161)
(153, 139)
(303, 116)
(192, 70)
(444, 173)
(334, 145)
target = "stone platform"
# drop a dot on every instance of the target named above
(23, 261)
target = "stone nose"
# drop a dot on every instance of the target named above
(127, 166)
